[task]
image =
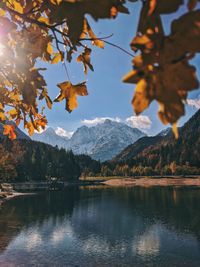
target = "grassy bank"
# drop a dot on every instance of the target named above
(105, 178)
(150, 181)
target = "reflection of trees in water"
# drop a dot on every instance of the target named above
(132, 211)
(102, 219)
(177, 208)
(25, 211)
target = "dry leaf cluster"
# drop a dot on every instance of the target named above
(56, 31)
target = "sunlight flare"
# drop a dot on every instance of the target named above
(1, 49)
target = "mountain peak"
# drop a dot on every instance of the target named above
(164, 148)
(50, 130)
(101, 142)
(108, 121)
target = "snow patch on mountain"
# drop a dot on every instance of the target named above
(102, 142)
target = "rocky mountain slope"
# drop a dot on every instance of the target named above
(161, 150)
(102, 142)
(50, 137)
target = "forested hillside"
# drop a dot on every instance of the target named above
(161, 155)
(24, 160)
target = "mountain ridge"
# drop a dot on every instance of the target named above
(101, 142)
(164, 150)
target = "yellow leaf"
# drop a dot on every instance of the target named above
(132, 77)
(56, 2)
(69, 92)
(65, 88)
(41, 122)
(152, 6)
(85, 59)
(141, 41)
(95, 41)
(49, 48)
(140, 100)
(10, 131)
(2, 116)
(44, 94)
(16, 6)
(57, 58)
(2, 12)
(44, 20)
(29, 126)
(175, 130)
(113, 12)
(13, 113)
(1, 107)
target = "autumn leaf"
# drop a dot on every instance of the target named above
(49, 48)
(9, 130)
(40, 122)
(186, 32)
(16, 5)
(30, 127)
(69, 92)
(55, 2)
(85, 59)
(95, 40)
(2, 116)
(192, 4)
(169, 6)
(57, 57)
(141, 42)
(13, 113)
(133, 76)
(152, 6)
(2, 12)
(44, 95)
(175, 130)
(141, 100)
(41, 32)
(171, 112)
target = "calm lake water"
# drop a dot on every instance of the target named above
(102, 227)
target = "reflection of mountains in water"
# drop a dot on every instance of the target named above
(102, 218)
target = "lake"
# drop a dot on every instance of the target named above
(102, 226)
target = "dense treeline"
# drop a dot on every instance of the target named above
(167, 156)
(124, 169)
(25, 160)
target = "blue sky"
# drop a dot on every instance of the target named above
(108, 96)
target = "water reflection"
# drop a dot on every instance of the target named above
(102, 227)
(148, 244)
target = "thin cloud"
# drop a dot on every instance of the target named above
(98, 120)
(141, 122)
(62, 132)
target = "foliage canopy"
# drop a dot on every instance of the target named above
(56, 31)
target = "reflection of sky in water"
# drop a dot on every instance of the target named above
(104, 231)
(148, 243)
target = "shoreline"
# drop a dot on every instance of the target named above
(175, 181)
(150, 182)
(8, 196)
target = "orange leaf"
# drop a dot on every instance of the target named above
(69, 92)
(10, 131)
(152, 6)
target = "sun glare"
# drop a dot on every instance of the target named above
(1, 49)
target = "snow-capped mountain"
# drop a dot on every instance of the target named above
(51, 137)
(102, 142)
